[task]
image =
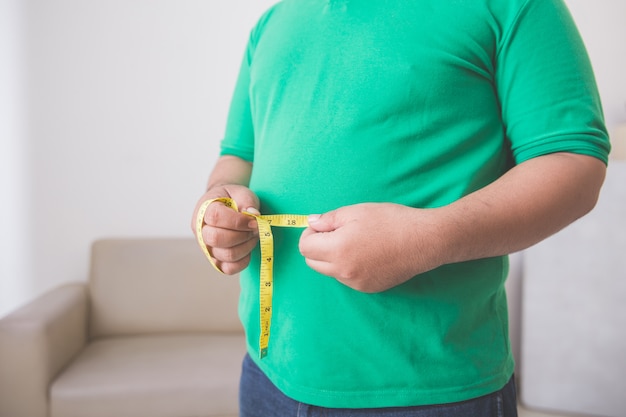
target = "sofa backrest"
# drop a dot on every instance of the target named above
(156, 285)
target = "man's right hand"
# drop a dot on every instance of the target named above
(229, 235)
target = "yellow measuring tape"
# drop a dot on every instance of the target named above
(265, 223)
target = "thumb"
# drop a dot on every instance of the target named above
(326, 222)
(246, 199)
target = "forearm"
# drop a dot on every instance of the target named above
(529, 203)
(230, 170)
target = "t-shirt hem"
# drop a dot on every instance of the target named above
(384, 398)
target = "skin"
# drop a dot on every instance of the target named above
(530, 202)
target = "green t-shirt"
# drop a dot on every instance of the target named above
(416, 102)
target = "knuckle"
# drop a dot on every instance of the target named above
(232, 268)
(302, 247)
(229, 256)
(227, 269)
(221, 255)
(349, 276)
(211, 236)
(212, 216)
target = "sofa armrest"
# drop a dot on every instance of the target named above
(36, 342)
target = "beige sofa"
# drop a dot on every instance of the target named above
(154, 332)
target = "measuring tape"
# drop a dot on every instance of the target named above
(265, 223)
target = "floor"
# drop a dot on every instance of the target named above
(524, 412)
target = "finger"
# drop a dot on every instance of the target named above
(326, 222)
(216, 237)
(317, 246)
(230, 268)
(234, 254)
(244, 197)
(322, 267)
(220, 216)
(253, 210)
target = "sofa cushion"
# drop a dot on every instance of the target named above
(158, 285)
(157, 376)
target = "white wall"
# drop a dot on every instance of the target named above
(125, 106)
(14, 174)
(602, 24)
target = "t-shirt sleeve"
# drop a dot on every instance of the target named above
(238, 139)
(546, 86)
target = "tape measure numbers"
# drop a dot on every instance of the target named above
(266, 239)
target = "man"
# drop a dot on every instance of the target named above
(434, 138)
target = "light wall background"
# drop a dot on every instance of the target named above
(111, 113)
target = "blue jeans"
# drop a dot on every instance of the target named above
(258, 397)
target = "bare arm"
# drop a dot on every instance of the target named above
(230, 170)
(230, 236)
(529, 203)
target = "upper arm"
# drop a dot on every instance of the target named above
(230, 169)
(546, 86)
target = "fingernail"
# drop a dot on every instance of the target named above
(253, 211)
(313, 218)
